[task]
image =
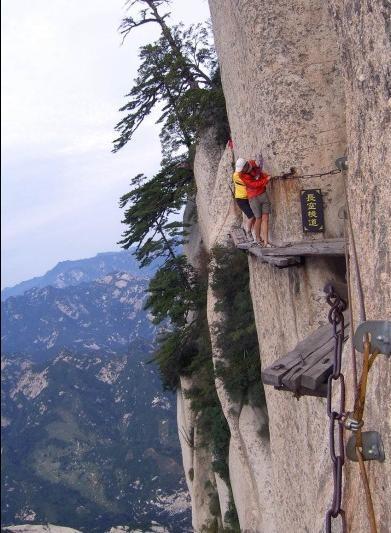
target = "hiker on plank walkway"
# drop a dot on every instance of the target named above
(241, 199)
(255, 180)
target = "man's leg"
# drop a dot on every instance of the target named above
(264, 228)
(250, 224)
(257, 212)
(257, 229)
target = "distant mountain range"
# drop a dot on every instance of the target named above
(88, 437)
(106, 314)
(89, 442)
(67, 273)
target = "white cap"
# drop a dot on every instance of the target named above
(240, 163)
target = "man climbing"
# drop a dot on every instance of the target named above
(255, 180)
(242, 200)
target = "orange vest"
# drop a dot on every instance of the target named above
(255, 180)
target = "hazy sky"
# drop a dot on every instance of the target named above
(65, 75)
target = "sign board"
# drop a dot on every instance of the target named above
(312, 210)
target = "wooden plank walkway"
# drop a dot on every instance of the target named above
(305, 369)
(307, 248)
(291, 253)
(239, 238)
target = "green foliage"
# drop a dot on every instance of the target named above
(169, 297)
(214, 504)
(236, 333)
(151, 209)
(181, 304)
(172, 357)
(231, 517)
(179, 72)
(196, 110)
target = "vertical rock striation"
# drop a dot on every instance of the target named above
(364, 38)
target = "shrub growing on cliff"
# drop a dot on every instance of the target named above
(236, 334)
(180, 304)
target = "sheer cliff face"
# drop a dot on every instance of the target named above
(364, 38)
(285, 98)
(287, 69)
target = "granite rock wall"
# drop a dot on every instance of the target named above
(306, 82)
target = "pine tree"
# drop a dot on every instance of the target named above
(176, 71)
(152, 205)
(179, 72)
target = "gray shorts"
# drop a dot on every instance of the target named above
(260, 205)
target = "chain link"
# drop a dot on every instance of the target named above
(336, 318)
(294, 175)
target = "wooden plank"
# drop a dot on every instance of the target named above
(288, 254)
(238, 236)
(308, 248)
(318, 365)
(320, 370)
(318, 341)
(321, 392)
(272, 375)
(240, 240)
(280, 262)
(244, 246)
(294, 378)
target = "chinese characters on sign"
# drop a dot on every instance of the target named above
(312, 210)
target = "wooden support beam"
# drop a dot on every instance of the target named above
(307, 367)
(321, 392)
(280, 262)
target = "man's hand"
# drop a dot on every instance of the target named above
(259, 160)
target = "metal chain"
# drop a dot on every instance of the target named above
(336, 318)
(294, 175)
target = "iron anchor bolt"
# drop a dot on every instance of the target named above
(380, 338)
(352, 424)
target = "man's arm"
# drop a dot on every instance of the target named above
(254, 182)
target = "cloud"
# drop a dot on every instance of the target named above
(65, 75)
